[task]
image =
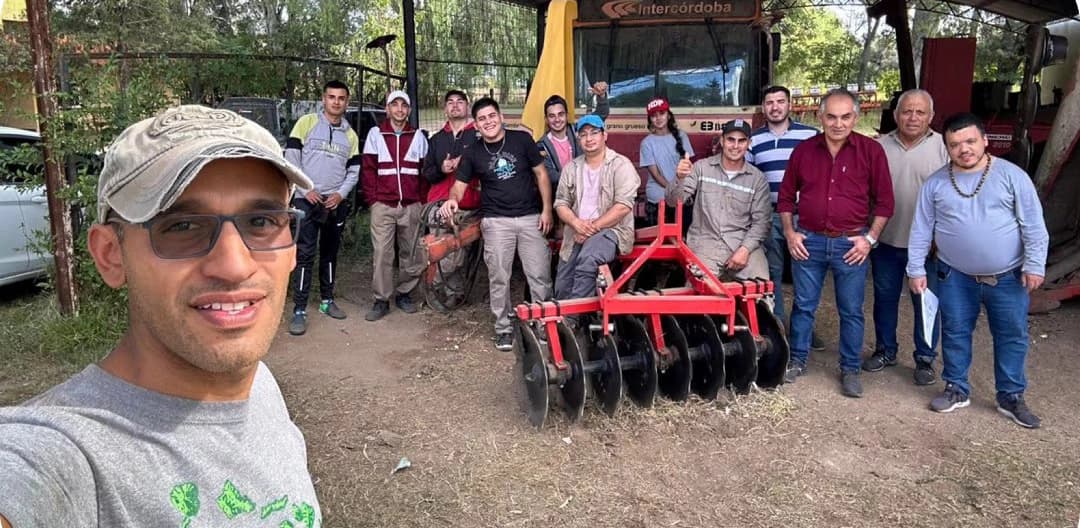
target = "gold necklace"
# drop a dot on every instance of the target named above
(982, 179)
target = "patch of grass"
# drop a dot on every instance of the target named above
(44, 347)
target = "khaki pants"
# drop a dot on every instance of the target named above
(387, 225)
(503, 238)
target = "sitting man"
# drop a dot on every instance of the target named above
(594, 199)
(732, 211)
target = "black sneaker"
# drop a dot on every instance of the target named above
(817, 344)
(1014, 407)
(378, 311)
(794, 370)
(504, 342)
(298, 325)
(850, 385)
(329, 307)
(404, 302)
(950, 400)
(924, 373)
(878, 361)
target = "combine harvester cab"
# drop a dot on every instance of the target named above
(698, 338)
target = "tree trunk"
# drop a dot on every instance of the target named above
(864, 58)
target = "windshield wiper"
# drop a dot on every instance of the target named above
(718, 46)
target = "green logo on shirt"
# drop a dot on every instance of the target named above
(233, 503)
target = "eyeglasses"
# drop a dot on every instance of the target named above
(585, 134)
(180, 236)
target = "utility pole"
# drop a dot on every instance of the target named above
(37, 14)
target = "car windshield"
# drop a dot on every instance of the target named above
(690, 65)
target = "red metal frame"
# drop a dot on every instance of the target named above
(705, 294)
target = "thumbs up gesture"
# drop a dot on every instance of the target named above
(684, 167)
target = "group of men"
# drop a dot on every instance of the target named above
(834, 200)
(202, 218)
(936, 211)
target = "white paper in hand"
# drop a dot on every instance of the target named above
(929, 303)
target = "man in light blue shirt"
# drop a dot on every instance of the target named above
(984, 216)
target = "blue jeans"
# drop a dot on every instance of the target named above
(888, 264)
(775, 253)
(1006, 310)
(850, 281)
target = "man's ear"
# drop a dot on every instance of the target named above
(104, 242)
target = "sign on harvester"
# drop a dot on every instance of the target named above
(627, 10)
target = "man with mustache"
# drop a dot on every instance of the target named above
(181, 423)
(840, 179)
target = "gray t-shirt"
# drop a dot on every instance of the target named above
(99, 451)
(660, 150)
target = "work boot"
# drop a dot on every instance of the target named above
(950, 400)
(924, 373)
(329, 307)
(298, 325)
(1013, 406)
(850, 385)
(378, 310)
(404, 303)
(879, 361)
(795, 369)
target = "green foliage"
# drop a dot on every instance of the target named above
(817, 49)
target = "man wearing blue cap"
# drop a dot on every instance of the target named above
(594, 199)
(732, 211)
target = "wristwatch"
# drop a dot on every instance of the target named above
(870, 238)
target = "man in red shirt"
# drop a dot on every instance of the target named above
(844, 191)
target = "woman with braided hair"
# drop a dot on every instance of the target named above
(661, 152)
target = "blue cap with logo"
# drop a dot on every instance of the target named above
(592, 120)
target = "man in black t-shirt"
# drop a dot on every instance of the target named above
(515, 204)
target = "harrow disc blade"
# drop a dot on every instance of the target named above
(534, 374)
(741, 363)
(638, 357)
(707, 355)
(675, 377)
(607, 376)
(773, 362)
(573, 386)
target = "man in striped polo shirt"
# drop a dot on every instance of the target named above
(770, 148)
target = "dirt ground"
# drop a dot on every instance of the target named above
(432, 389)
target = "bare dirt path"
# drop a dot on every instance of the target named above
(432, 389)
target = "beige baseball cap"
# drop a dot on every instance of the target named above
(148, 166)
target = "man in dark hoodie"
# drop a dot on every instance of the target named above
(393, 154)
(559, 144)
(440, 169)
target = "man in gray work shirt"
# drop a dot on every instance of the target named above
(984, 215)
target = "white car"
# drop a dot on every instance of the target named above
(23, 211)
